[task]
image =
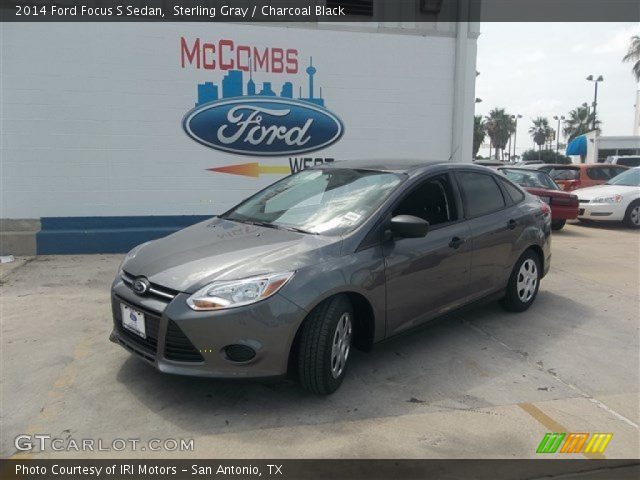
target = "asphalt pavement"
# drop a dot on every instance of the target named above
(485, 383)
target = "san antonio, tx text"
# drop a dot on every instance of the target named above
(142, 469)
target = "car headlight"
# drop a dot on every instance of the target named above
(235, 293)
(132, 254)
(607, 199)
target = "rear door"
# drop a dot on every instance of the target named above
(494, 224)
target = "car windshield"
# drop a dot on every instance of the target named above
(329, 201)
(530, 178)
(630, 178)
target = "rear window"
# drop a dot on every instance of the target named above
(559, 173)
(603, 173)
(515, 193)
(629, 162)
(481, 192)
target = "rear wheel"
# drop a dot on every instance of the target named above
(524, 283)
(325, 344)
(558, 224)
(632, 215)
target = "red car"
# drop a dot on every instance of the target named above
(572, 177)
(564, 205)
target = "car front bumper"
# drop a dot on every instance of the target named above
(601, 211)
(186, 342)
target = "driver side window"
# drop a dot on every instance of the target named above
(432, 200)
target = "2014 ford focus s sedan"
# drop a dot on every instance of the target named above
(326, 260)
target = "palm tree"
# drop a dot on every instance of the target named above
(633, 55)
(541, 132)
(579, 121)
(499, 126)
(479, 133)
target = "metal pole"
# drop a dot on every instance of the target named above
(515, 136)
(558, 136)
(595, 103)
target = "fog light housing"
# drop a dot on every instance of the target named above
(239, 353)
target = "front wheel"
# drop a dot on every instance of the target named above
(558, 224)
(524, 283)
(632, 215)
(325, 344)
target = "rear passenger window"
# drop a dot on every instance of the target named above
(629, 162)
(597, 173)
(481, 192)
(514, 192)
(604, 173)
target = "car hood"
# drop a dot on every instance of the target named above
(599, 190)
(220, 249)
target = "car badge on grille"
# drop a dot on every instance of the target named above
(140, 286)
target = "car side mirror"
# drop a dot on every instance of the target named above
(408, 226)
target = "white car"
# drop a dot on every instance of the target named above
(616, 200)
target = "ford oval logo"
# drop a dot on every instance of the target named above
(140, 286)
(263, 126)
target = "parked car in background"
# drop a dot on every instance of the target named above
(616, 200)
(624, 160)
(489, 163)
(571, 177)
(524, 163)
(325, 260)
(564, 205)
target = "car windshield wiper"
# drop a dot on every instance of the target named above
(275, 226)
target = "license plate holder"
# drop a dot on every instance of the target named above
(133, 320)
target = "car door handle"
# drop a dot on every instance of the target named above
(456, 242)
(511, 224)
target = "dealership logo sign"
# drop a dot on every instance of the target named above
(245, 117)
(263, 126)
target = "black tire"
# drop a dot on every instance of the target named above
(558, 224)
(318, 332)
(517, 299)
(632, 215)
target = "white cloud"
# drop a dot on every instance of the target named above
(534, 57)
(619, 42)
(542, 107)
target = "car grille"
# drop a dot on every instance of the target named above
(178, 347)
(158, 291)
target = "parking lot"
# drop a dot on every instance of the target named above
(485, 383)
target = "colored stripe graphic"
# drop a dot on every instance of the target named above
(550, 442)
(598, 442)
(574, 443)
(254, 169)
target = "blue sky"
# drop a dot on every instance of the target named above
(540, 69)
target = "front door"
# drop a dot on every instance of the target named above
(427, 276)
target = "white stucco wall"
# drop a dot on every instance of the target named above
(91, 113)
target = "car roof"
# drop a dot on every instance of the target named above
(409, 167)
(534, 170)
(560, 165)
